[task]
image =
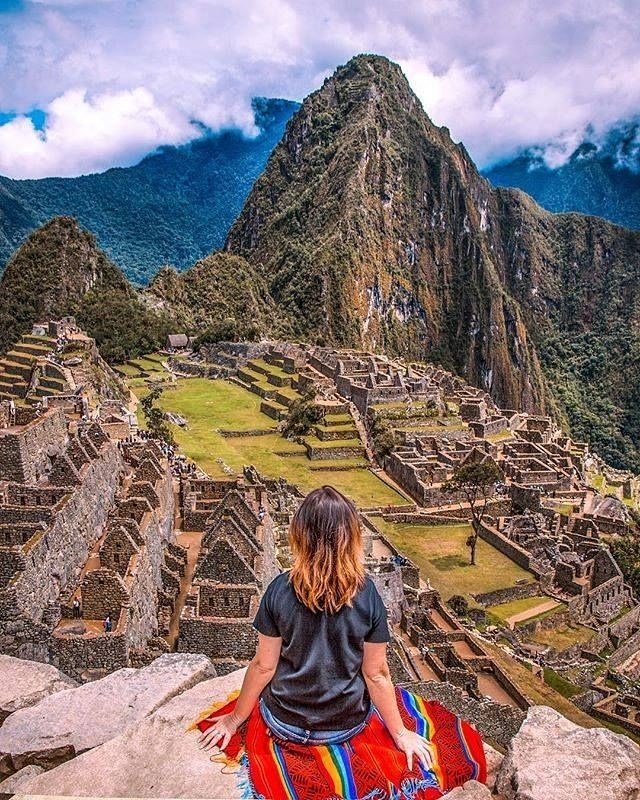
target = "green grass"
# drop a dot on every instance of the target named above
(560, 684)
(212, 405)
(564, 636)
(442, 556)
(505, 610)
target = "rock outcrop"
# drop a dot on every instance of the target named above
(25, 683)
(551, 758)
(158, 757)
(78, 719)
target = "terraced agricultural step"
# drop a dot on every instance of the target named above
(273, 409)
(335, 432)
(266, 394)
(54, 371)
(331, 419)
(14, 368)
(279, 380)
(43, 341)
(14, 390)
(21, 358)
(254, 366)
(52, 384)
(31, 349)
(9, 377)
(248, 376)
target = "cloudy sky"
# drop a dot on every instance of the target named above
(117, 78)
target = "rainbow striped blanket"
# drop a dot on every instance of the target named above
(367, 767)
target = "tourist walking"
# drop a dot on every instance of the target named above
(108, 624)
(318, 695)
(77, 612)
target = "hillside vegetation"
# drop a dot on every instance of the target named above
(60, 271)
(173, 207)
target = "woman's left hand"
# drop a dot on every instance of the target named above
(219, 733)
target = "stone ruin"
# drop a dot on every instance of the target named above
(82, 516)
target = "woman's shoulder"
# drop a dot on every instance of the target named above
(279, 583)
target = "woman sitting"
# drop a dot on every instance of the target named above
(320, 674)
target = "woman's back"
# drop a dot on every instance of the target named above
(318, 683)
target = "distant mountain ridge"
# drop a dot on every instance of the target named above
(174, 207)
(601, 179)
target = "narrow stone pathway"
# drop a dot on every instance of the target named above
(192, 540)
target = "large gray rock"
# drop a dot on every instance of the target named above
(472, 790)
(551, 758)
(24, 683)
(158, 757)
(494, 762)
(16, 781)
(75, 720)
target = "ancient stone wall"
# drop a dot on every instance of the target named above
(508, 548)
(508, 594)
(54, 560)
(74, 654)
(25, 454)
(232, 639)
(498, 723)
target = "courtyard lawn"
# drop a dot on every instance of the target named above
(211, 406)
(504, 611)
(443, 557)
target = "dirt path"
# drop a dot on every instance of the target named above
(192, 541)
(547, 605)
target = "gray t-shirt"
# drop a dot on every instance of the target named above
(318, 684)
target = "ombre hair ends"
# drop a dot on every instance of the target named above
(326, 542)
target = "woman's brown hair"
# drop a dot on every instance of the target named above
(326, 541)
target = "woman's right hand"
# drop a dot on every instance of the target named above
(412, 744)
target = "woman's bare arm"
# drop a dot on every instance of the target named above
(259, 672)
(375, 670)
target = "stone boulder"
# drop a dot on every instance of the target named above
(471, 790)
(16, 781)
(72, 721)
(552, 757)
(25, 683)
(158, 757)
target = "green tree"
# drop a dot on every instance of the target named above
(476, 483)
(459, 605)
(303, 415)
(626, 551)
(157, 425)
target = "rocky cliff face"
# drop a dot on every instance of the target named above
(373, 228)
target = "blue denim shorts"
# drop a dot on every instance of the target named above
(292, 733)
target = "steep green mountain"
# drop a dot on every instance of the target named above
(372, 228)
(601, 179)
(221, 291)
(173, 207)
(60, 271)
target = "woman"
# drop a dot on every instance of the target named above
(320, 668)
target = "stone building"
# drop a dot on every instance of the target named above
(237, 560)
(84, 517)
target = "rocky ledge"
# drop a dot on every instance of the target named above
(126, 735)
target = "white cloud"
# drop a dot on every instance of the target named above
(117, 77)
(87, 135)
